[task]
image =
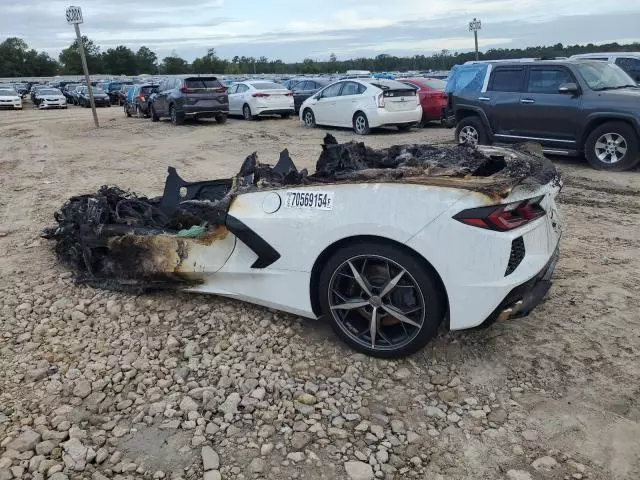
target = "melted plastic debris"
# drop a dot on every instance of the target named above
(117, 239)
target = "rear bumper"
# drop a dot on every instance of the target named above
(276, 111)
(381, 117)
(194, 111)
(11, 106)
(521, 301)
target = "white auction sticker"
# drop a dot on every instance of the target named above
(312, 200)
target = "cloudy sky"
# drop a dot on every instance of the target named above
(295, 29)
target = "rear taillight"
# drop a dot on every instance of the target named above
(381, 100)
(186, 90)
(260, 95)
(288, 94)
(503, 217)
(221, 90)
(142, 98)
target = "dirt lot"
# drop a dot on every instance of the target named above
(101, 385)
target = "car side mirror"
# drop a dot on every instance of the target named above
(571, 88)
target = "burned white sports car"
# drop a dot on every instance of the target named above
(386, 244)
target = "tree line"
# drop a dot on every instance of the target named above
(18, 60)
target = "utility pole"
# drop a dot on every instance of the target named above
(474, 26)
(74, 17)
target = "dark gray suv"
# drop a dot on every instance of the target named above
(190, 97)
(568, 106)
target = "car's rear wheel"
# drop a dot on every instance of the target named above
(154, 115)
(380, 299)
(309, 118)
(126, 111)
(613, 146)
(246, 112)
(361, 124)
(221, 118)
(470, 131)
(175, 116)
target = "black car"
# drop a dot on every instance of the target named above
(141, 100)
(568, 106)
(67, 91)
(190, 97)
(112, 89)
(100, 98)
(306, 88)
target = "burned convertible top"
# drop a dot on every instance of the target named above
(98, 234)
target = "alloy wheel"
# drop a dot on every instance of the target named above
(468, 135)
(376, 302)
(172, 114)
(361, 124)
(611, 148)
(246, 111)
(308, 118)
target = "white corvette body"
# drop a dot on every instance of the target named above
(379, 244)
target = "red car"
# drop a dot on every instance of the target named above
(432, 97)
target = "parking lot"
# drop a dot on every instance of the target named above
(552, 396)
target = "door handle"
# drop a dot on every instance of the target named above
(484, 99)
(527, 100)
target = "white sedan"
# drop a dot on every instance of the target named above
(260, 97)
(9, 98)
(363, 104)
(50, 98)
(373, 242)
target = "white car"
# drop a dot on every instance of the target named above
(9, 98)
(363, 104)
(628, 61)
(260, 97)
(50, 98)
(384, 254)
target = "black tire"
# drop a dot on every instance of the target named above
(609, 140)
(175, 116)
(126, 111)
(221, 119)
(285, 116)
(426, 290)
(405, 127)
(246, 112)
(470, 127)
(154, 115)
(109, 104)
(308, 118)
(361, 124)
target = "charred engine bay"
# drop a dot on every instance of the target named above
(119, 240)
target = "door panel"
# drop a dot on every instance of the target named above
(325, 108)
(503, 97)
(546, 113)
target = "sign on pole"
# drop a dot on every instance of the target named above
(74, 17)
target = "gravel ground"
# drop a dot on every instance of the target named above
(98, 385)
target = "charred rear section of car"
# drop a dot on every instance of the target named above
(117, 239)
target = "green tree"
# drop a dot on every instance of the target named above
(174, 65)
(120, 61)
(146, 61)
(17, 60)
(71, 64)
(333, 58)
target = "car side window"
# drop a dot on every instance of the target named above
(547, 80)
(232, 89)
(350, 88)
(242, 88)
(298, 87)
(506, 80)
(332, 90)
(629, 65)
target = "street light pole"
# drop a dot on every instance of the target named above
(74, 17)
(474, 26)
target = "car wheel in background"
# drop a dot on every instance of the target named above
(361, 124)
(405, 127)
(613, 146)
(309, 118)
(109, 104)
(470, 131)
(221, 118)
(126, 111)
(139, 113)
(246, 112)
(175, 116)
(154, 115)
(285, 115)
(381, 299)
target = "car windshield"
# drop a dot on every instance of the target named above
(604, 76)
(5, 91)
(267, 86)
(202, 83)
(49, 91)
